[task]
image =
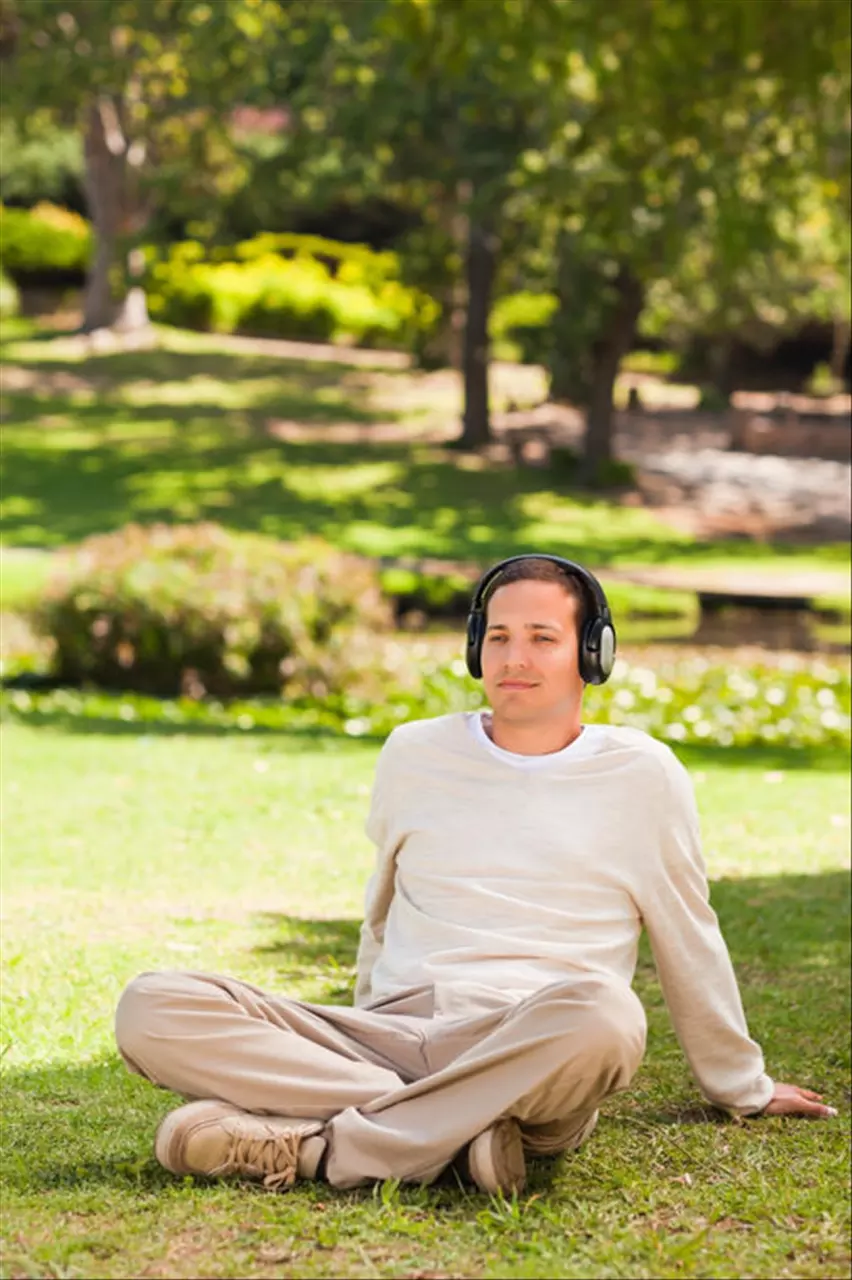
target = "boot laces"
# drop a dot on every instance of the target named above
(273, 1157)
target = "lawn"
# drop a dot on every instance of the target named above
(139, 843)
(206, 428)
(200, 428)
(244, 852)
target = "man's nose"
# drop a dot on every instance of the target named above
(516, 654)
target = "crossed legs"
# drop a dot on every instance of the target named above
(400, 1095)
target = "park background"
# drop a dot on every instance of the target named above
(309, 311)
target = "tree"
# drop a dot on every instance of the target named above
(688, 123)
(610, 136)
(138, 78)
(437, 100)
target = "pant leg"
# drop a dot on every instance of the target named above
(211, 1036)
(549, 1060)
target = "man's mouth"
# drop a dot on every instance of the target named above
(515, 684)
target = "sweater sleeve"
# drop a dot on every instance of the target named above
(693, 963)
(380, 886)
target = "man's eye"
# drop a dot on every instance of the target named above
(493, 639)
(545, 640)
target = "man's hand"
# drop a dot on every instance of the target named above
(790, 1100)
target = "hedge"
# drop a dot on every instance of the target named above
(255, 290)
(275, 284)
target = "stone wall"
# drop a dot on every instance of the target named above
(791, 436)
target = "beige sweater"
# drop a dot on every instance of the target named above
(498, 874)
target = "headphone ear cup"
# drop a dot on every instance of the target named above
(597, 651)
(473, 647)
(588, 655)
(606, 660)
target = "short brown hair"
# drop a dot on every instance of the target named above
(537, 569)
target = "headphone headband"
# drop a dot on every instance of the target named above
(569, 567)
(596, 649)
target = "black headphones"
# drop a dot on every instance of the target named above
(597, 642)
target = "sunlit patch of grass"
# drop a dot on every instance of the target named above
(201, 390)
(357, 479)
(22, 574)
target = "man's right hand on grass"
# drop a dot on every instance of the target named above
(790, 1100)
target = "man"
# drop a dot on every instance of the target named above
(519, 854)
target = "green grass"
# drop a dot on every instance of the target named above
(23, 575)
(243, 852)
(187, 431)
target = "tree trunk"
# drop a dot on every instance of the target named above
(841, 336)
(580, 288)
(609, 351)
(133, 312)
(444, 348)
(108, 182)
(481, 262)
(720, 360)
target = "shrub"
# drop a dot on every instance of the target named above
(40, 160)
(348, 263)
(42, 240)
(287, 297)
(197, 610)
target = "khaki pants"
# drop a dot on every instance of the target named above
(402, 1091)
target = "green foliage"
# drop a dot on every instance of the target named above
(40, 160)
(726, 207)
(311, 288)
(713, 400)
(613, 473)
(272, 297)
(43, 239)
(822, 381)
(197, 610)
(524, 319)
(695, 701)
(349, 263)
(447, 595)
(797, 273)
(9, 297)
(661, 364)
(152, 84)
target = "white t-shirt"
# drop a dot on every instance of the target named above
(582, 745)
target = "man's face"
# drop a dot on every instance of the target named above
(529, 655)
